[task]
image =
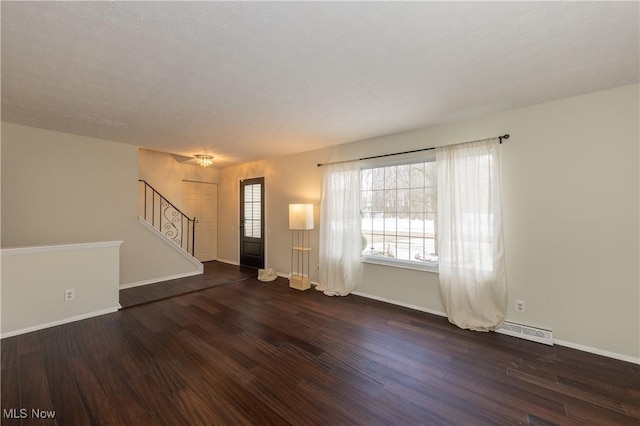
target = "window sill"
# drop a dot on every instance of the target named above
(426, 267)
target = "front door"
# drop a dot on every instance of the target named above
(252, 222)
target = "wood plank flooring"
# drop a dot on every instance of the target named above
(264, 354)
(215, 274)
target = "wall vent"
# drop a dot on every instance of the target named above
(539, 335)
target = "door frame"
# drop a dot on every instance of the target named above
(262, 180)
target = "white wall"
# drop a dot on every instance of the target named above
(34, 281)
(59, 188)
(570, 210)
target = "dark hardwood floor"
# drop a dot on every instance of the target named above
(262, 353)
(215, 274)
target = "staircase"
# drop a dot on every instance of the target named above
(166, 218)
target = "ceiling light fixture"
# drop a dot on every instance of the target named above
(204, 160)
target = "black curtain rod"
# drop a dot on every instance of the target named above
(505, 137)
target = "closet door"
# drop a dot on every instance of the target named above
(200, 199)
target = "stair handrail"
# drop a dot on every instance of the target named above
(191, 223)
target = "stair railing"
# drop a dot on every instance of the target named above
(168, 219)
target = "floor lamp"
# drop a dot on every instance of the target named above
(300, 222)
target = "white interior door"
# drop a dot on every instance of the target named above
(200, 199)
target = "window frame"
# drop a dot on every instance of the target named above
(404, 159)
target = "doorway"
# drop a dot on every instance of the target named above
(252, 222)
(200, 199)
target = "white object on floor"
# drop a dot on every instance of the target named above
(266, 275)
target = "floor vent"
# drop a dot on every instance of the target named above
(539, 335)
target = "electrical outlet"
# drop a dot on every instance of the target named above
(69, 294)
(519, 305)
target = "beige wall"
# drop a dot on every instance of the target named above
(570, 210)
(59, 188)
(288, 180)
(170, 177)
(34, 281)
(165, 174)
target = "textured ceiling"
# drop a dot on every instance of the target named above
(250, 80)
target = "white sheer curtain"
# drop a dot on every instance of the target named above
(340, 234)
(470, 241)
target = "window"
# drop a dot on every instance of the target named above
(398, 208)
(252, 210)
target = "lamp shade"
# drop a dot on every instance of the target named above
(301, 216)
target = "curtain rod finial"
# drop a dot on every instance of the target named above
(506, 136)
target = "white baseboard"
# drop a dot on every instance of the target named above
(230, 262)
(60, 322)
(597, 351)
(405, 305)
(160, 279)
(577, 346)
